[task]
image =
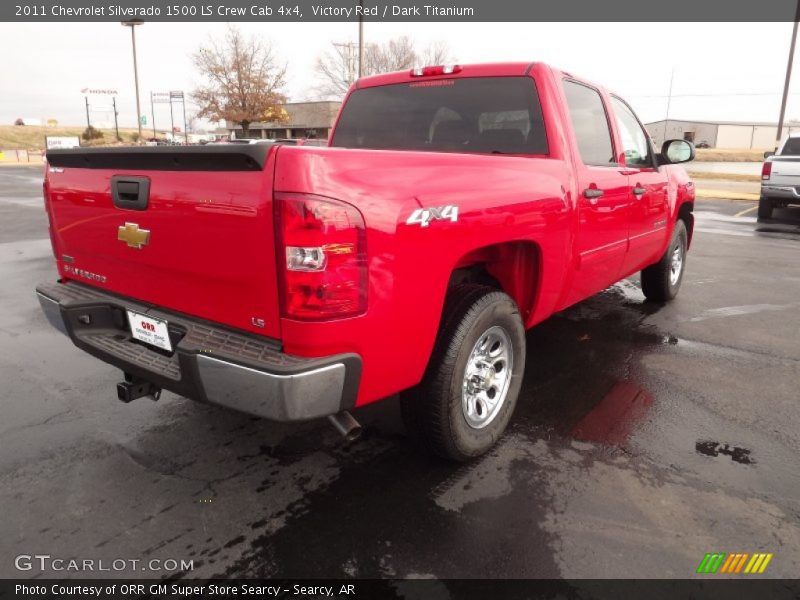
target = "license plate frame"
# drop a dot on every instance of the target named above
(150, 330)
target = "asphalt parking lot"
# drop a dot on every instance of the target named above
(645, 437)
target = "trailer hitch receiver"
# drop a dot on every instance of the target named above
(135, 387)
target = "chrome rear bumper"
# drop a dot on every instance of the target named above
(282, 397)
(782, 192)
(210, 363)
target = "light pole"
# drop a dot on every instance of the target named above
(669, 102)
(788, 77)
(361, 38)
(132, 23)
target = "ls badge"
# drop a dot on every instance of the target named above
(133, 236)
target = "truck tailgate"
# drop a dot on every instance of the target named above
(189, 229)
(785, 171)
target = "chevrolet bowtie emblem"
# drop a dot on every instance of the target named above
(133, 236)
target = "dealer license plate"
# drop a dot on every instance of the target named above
(149, 330)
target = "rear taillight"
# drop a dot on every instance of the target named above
(766, 170)
(322, 257)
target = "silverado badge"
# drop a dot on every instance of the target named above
(133, 236)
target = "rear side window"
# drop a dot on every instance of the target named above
(590, 123)
(499, 115)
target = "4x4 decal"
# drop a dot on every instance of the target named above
(424, 216)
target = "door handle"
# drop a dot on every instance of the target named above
(593, 195)
(638, 191)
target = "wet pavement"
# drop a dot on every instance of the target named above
(645, 437)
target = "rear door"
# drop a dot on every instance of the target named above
(648, 209)
(603, 188)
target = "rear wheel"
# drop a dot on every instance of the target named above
(661, 281)
(469, 391)
(765, 207)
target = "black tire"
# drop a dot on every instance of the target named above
(657, 282)
(765, 207)
(433, 410)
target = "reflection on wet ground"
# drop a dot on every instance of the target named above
(786, 219)
(579, 366)
(613, 418)
(580, 405)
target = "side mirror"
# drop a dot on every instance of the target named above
(768, 153)
(676, 151)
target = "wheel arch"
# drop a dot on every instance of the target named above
(686, 214)
(513, 267)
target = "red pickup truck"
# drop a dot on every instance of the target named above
(455, 207)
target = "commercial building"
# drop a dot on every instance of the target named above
(302, 120)
(720, 134)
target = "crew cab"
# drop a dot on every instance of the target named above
(455, 207)
(780, 177)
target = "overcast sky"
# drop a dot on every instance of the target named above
(725, 71)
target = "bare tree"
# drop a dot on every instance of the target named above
(394, 55)
(337, 68)
(437, 53)
(244, 80)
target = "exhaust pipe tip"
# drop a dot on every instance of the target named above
(353, 435)
(346, 425)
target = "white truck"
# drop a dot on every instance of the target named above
(780, 177)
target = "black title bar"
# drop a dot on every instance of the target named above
(707, 588)
(402, 10)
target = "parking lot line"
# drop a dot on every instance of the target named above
(742, 213)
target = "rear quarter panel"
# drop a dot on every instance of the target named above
(499, 198)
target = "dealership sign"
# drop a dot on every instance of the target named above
(166, 97)
(97, 92)
(67, 141)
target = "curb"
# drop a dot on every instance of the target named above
(711, 194)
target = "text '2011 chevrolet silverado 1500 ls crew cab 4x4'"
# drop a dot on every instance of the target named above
(454, 208)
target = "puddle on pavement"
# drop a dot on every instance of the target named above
(580, 374)
(714, 449)
(613, 419)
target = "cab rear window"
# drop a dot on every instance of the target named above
(498, 115)
(791, 147)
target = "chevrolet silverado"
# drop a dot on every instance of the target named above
(455, 207)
